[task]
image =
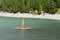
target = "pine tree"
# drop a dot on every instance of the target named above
(58, 3)
(28, 5)
(40, 6)
(50, 6)
(22, 6)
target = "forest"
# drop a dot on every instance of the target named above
(24, 6)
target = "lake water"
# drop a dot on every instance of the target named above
(42, 29)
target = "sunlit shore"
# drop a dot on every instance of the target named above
(27, 15)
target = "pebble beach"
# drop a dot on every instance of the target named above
(27, 15)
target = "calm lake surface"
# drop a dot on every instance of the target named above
(42, 29)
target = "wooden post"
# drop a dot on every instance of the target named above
(22, 22)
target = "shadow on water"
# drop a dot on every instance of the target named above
(42, 29)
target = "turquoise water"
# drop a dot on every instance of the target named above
(42, 29)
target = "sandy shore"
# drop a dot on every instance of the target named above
(27, 15)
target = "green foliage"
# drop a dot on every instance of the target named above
(57, 3)
(58, 11)
(28, 5)
(40, 6)
(49, 6)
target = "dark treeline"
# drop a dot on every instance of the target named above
(49, 6)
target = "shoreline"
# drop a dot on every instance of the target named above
(27, 15)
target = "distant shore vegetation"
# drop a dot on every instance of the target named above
(24, 6)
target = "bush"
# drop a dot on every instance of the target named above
(58, 11)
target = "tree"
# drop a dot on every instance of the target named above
(50, 6)
(22, 6)
(40, 6)
(28, 5)
(57, 3)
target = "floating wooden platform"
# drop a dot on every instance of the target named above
(22, 28)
